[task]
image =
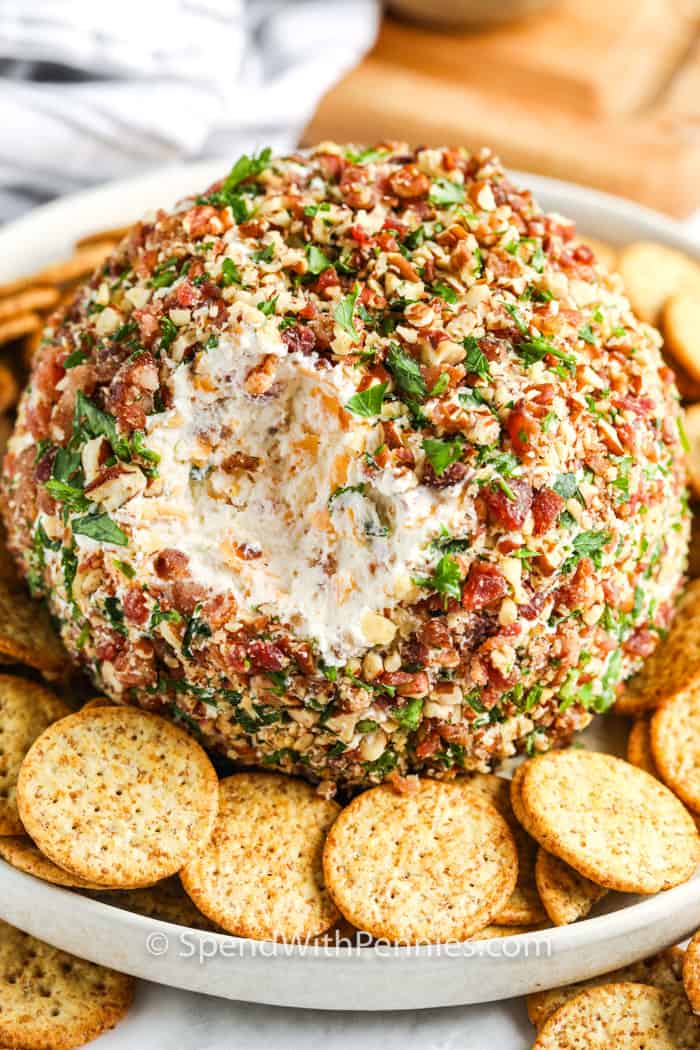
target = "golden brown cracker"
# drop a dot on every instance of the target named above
(691, 973)
(681, 326)
(21, 853)
(611, 822)
(26, 633)
(166, 901)
(524, 907)
(566, 895)
(625, 1016)
(675, 745)
(118, 796)
(113, 234)
(652, 273)
(639, 751)
(50, 1000)
(18, 327)
(33, 300)
(261, 874)
(692, 430)
(436, 865)
(26, 709)
(662, 971)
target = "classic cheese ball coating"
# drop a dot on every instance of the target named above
(357, 465)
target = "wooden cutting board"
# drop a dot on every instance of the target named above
(601, 93)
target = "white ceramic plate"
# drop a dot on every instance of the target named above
(625, 929)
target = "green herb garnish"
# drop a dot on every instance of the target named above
(442, 454)
(406, 372)
(100, 527)
(344, 311)
(368, 402)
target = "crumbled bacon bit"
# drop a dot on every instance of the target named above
(171, 564)
(509, 504)
(547, 505)
(484, 586)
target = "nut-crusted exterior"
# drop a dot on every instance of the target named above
(357, 464)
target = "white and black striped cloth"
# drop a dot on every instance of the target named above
(93, 90)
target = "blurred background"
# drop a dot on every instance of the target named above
(601, 92)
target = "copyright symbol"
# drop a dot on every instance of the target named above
(157, 944)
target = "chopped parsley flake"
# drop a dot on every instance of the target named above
(368, 402)
(317, 260)
(344, 311)
(446, 578)
(409, 716)
(442, 454)
(100, 527)
(78, 357)
(475, 361)
(444, 192)
(588, 544)
(406, 372)
(230, 274)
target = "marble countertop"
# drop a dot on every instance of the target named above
(165, 1019)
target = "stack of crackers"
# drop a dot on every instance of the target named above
(120, 804)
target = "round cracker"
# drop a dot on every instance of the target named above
(118, 796)
(494, 932)
(166, 901)
(692, 430)
(610, 821)
(688, 388)
(26, 634)
(18, 327)
(681, 325)
(433, 866)
(624, 1016)
(80, 264)
(97, 701)
(639, 751)
(652, 273)
(674, 665)
(26, 710)
(50, 1000)
(675, 745)
(523, 907)
(691, 973)
(114, 234)
(662, 971)
(566, 895)
(30, 301)
(515, 799)
(261, 873)
(21, 853)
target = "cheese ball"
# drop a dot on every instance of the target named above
(357, 465)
